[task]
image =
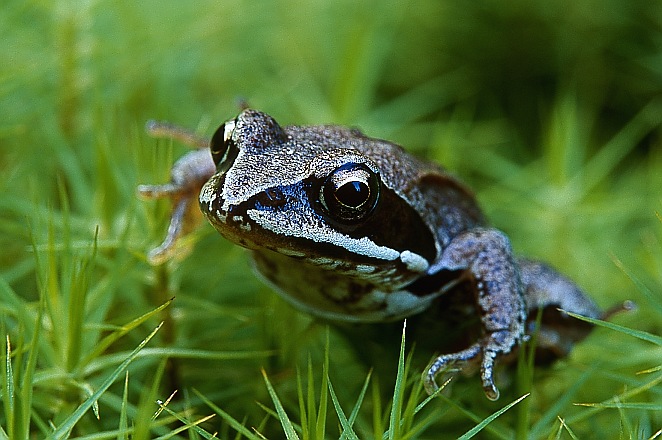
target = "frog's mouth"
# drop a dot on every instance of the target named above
(392, 268)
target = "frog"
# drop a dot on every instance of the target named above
(351, 228)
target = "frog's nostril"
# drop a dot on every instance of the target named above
(272, 197)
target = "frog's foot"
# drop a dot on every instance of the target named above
(186, 178)
(448, 363)
(484, 352)
(624, 307)
(181, 219)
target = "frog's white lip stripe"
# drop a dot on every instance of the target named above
(361, 246)
(323, 234)
(414, 262)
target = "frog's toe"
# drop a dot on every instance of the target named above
(429, 380)
(487, 375)
(448, 363)
(149, 192)
(465, 361)
(177, 227)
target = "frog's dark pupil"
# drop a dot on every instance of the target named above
(353, 194)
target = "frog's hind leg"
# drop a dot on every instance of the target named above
(160, 129)
(549, 293)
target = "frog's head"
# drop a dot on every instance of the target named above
(316, 193)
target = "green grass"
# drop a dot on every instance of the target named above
(551, 111)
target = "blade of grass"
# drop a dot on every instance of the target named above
(173, 352)
(123, 425)
(547, 419)
(431, 397)
(320, 427)
(496, 431)
(53, 295)
(261, 426)
(28, 376)
(163, 405)
(396, 406)
(651, 370)
(632, 405)
(102, 345)
(143, 422)
(76, 306)
(414, 396)
(63, 430)
(234, 423)
(525, 368)
(567, 428)
(644, 336)
(476, 429)
(186, 424)
(12, 301)
(621, 397)
(305, 433)
(359, 402)
(310, 401)
(377, 418)
(347, 431)
(290, 433)
(8, 395)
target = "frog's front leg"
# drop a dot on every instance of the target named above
(187, 176)
(486, 257)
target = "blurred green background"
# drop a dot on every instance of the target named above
(551, 111)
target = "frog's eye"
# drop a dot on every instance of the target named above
(350, 192)
(223, 149)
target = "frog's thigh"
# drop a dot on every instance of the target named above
(544, 286)
(546, 289)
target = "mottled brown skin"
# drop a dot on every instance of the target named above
(351, 228)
